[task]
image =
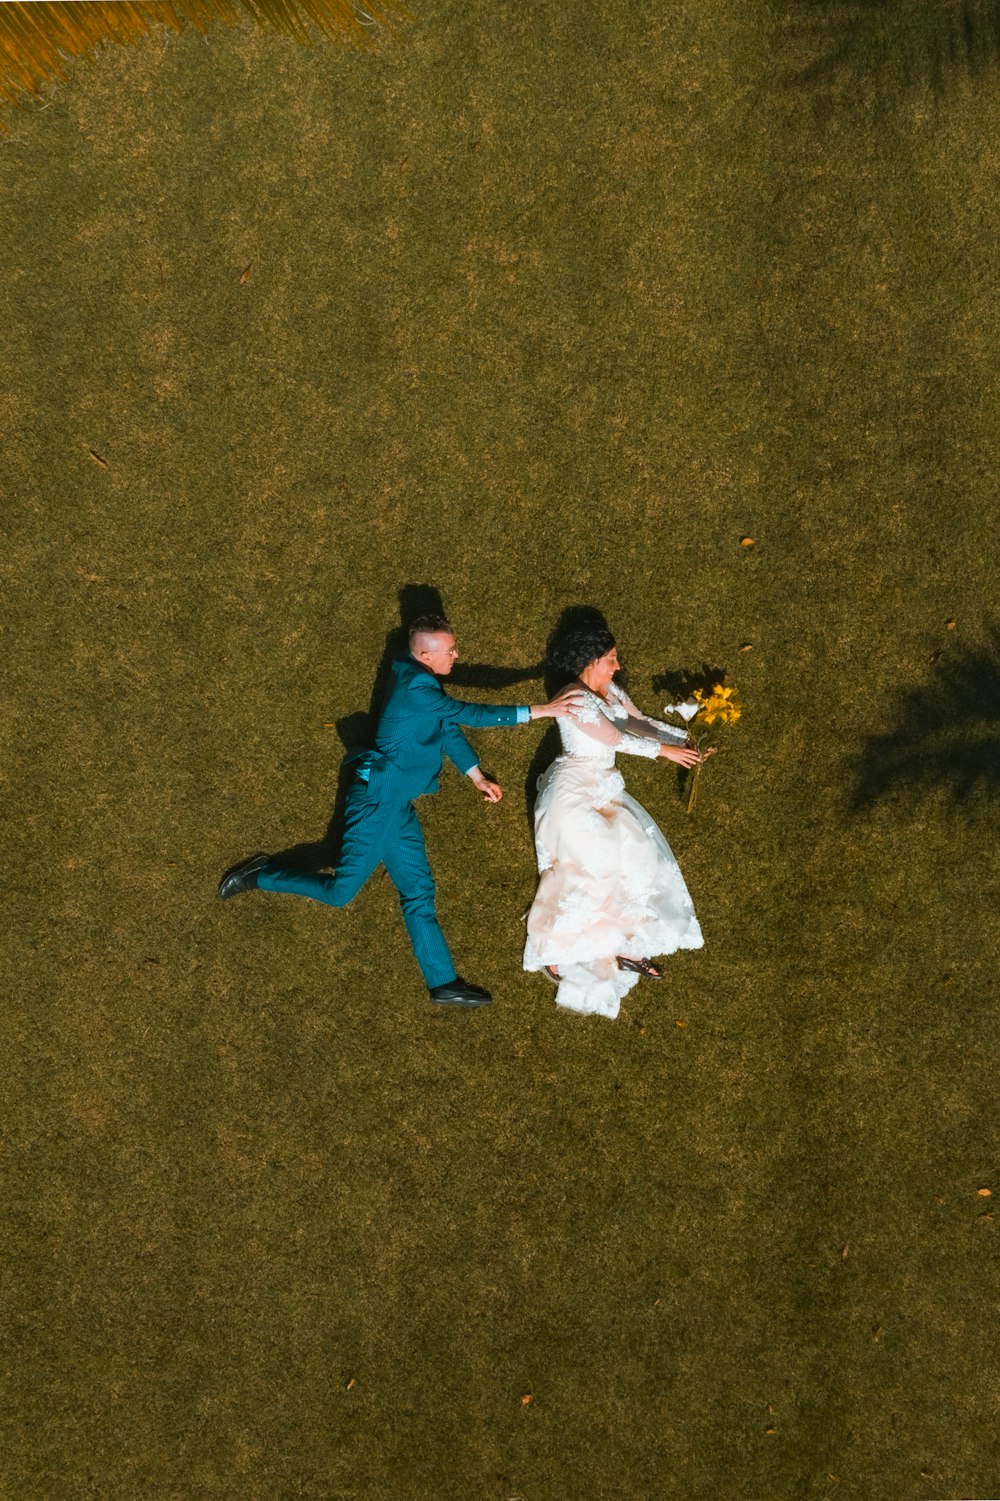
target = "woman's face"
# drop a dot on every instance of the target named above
(603, 669)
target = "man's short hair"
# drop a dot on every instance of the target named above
(429, 625)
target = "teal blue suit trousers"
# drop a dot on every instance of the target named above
(380, 833)
(417, 728)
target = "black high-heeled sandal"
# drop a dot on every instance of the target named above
(639, 967)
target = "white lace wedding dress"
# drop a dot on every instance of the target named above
(608, 883)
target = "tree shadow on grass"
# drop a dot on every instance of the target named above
(878, 51)
(947, 736)
(357, 730)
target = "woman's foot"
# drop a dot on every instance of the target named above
(639, 967)
(553, 974)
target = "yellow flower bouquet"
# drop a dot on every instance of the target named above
(718, 705)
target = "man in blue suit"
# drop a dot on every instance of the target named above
(417, 728)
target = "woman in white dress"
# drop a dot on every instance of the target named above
(610, 894)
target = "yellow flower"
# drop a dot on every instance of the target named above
(717, 705)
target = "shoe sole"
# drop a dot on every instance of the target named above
(462, 1004)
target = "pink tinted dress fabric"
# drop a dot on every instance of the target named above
(608, 882)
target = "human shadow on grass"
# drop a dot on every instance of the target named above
(573, 618)
(947, 735)
(356, 731)
(681, 682)
(876, 51)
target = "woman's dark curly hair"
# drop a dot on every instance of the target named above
(570, 651)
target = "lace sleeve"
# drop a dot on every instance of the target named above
(672, 734)
(595, 723)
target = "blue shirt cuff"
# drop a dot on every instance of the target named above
(523, 713)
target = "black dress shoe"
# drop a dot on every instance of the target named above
(242, 877)
(459, 992)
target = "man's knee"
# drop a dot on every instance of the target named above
(418, 896)
(344, 887)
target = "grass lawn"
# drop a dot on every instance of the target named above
(536, 306)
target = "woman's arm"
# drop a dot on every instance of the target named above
(672, 733)
(597, 725)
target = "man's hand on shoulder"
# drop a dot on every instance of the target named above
(492, 791)
(567, 701)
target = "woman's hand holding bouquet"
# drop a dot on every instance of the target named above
(718, 705)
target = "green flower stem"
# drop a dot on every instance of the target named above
(695, 775)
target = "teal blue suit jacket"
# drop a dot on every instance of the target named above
(418, 727)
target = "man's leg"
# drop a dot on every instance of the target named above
(360, 856)
(405, 856)
(375, 832)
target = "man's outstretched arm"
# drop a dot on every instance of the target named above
(459, 751)
(430, 697)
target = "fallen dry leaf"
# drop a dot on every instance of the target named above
(680, 1024)
(246, 275)
(844, 1253)
(770, 1430)
(527, 1399)
(748, 541)
(353, 1382)
(746, 646)
(985, 1193)
(949, 625)
(97, 459)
